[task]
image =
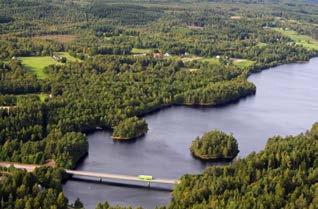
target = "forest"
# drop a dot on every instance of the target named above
(215, 146)
(132, 58)
(283, 175)
(23, 190)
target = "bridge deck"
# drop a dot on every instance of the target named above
(31, 167)
(120, 177)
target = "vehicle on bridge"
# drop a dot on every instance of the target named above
(145, 177)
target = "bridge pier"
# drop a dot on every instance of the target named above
(148, 184)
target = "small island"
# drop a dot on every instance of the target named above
(215, 146)
(130, 128)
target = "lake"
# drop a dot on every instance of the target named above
(286, 103)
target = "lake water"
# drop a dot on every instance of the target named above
(286, 102)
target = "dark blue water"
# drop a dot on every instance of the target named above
(286, 103)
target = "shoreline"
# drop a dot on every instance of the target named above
(213, 160)
(162, 107)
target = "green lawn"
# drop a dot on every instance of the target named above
(243, 63)
(211, 60)
(37, 64)
(140, 51)
(305, 41)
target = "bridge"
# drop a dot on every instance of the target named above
(100, 176)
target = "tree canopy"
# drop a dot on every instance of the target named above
(215, 145)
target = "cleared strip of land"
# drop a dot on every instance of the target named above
(306, 41)
(38, 63)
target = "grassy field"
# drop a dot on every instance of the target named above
(140, 51)
(37, 64)
(243, 63)
(305, 41)
(211, 60)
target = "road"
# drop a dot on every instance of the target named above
(120, 177)
(100, 176)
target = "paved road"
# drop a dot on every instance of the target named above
(120, 177)
(31, 167)
(28, 167)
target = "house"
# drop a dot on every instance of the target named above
(59, 58)
(157, 55)
(167, 54)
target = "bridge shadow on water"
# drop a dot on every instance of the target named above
(153, 186)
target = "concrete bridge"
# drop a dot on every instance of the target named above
(99, 176)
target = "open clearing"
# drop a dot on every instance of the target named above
(37, 64)
(211, 60)
(140, 51)
(305, 41)
(243, 63)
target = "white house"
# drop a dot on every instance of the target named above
(167, 54)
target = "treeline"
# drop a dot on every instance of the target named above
(65, 149)
(219, 93)
(15, 79)
(24, 122)
(20, 46)
(24, 137)
(125, 14)
(40, 189)
(283, 175)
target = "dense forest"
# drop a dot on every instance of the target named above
(130, 58)
(283, 175)
(23, 190)
(215, 145)
(39, 189)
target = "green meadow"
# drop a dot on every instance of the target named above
(243, 63)
(140, 51)
(305, 41)
(37, 64)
